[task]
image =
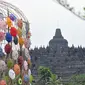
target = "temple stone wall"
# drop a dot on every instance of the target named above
(61, 59)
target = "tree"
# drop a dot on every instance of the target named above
(54, 80)
(46, 77)
(77, 80)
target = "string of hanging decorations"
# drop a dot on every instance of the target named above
(15, 60)
(71, 9)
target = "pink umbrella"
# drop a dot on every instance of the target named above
(2, 24)
(2, 36)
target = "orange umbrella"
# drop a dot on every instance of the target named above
(9, 22)
(16, 69)
(21, 41)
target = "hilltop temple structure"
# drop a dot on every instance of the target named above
(64, 61)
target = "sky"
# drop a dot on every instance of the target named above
(45, 16)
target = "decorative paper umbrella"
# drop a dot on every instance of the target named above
(25, 65)
(2, 36)
(2, 24)
(2, 65)
(13, 31)
(20, 23)
(29, 34)
(26, 78)
(3, 82)
(8, 37)
(29, 72)
(15, 40)
(9, 22)
(1, 52)
(10, 63)
(8, 48)
(11, 74)
(26, 53)
(21, 41)
(31, 78)
(27, 42)
(29, 61)
(15, 54)
(17, 69)
(20, 81)
(20, 61)
(12, 17)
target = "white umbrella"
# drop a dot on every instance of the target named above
(11, 74)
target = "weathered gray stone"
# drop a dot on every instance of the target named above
(61, 59)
